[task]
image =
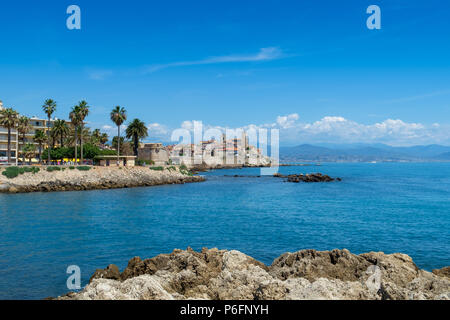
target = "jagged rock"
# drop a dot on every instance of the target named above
(444, 272)
(312, 265)
(311, 177)
(306, 274)
(110, 272)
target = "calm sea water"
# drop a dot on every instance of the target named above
(390, 207)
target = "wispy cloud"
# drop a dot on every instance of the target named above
(419, 97)
(264, 54)
(99, 74)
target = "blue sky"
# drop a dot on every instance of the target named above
(310, 68)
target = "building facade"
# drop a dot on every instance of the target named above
(16, 139)
(154, 152)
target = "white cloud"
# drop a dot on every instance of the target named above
(264, 54)
(157, 129)
(287, 121)
(330, 129)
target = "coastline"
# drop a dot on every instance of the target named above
(97, 178)
(307, 274)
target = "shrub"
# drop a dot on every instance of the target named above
(142, 162)
(84, 168)
(12, 172)
(172, 168)
(72, 168)
(53, 168)
(33, 170)
(183, 167)
(157, 168)
(186, 172)
(90, 151)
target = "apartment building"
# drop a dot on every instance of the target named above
(16, 140)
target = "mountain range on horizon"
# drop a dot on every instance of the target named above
(364, 153)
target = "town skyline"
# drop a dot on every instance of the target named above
(287, 67)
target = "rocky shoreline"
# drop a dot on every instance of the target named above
(96, 178)
(306, 274)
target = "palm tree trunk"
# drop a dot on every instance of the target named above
(62, 140)
(76, 145)
(118, 144)
(81, 143)
(48, 141)
(23, 147)
(40, 154)
(136, 145)
(9, 145)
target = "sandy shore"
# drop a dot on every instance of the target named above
(96, 178)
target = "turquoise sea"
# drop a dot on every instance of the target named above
(390, 207)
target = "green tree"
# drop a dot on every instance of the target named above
(60, 129)
(49, 108)
(136, 131)
(118, 116)
(114, 142)
(83, 109)
(29, 151)
(41, 138)
(8, 119)
(75, 119)
(95, 137)
(23, 127)
(104, 138)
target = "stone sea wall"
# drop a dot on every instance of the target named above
(306, 274)
(96, 178)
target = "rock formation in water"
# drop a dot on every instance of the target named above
(306, 274)
(96, 178)
(310, 177)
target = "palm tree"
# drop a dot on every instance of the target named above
(40, 138)
(115, 141)
(29, 151)
(49, 108)
(136, 130)
(118, 116)
(95, 137)
(23, 127)
(61, 130)
(84, 111)
(75, 119)
(104, 138)
(9, 119)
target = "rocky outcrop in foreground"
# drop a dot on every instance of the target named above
(306, 274)
(96, 178)
(310, 177)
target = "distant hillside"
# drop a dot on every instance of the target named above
(444, 156)
(364, 153)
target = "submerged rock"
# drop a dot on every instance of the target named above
(310, 177)
(306, 274)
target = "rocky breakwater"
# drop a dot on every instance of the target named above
(95, 178)
(310, 177)
(307, 274)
